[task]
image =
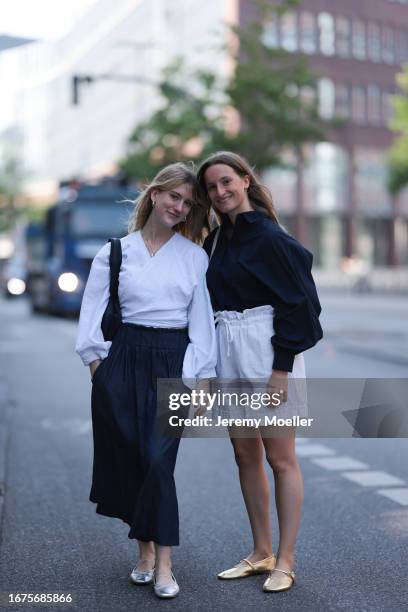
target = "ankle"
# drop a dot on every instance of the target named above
(259, 555)
(285, 561)
(163, 567)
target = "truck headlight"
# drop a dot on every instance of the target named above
(16, 286)
(68, 281)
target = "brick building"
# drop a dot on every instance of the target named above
(343, 207)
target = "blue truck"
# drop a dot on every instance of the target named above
(59, 256)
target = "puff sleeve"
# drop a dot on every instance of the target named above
(201, 354)
(90, 344)
(284, 266)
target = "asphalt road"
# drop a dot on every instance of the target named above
(352, 547)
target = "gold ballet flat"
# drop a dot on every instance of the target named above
(279, 580)
(247, 568)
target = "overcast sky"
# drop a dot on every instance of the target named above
(45, 19)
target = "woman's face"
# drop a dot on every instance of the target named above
(172, 206)
(226, 189)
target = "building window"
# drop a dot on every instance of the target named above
(288, 32)
(326, 98)
(358, 105)
(308, 95)
(343, 36)
(307, 33)
(326, 33)
(402, 55)
(387, 107)
(374, 104)
(374, 42)
(388, 45)
(342, 108)
(270, 37)
(359, 39)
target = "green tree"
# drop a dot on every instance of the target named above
(272, 95)
(398, 158)
(184, 127)
(11, 178)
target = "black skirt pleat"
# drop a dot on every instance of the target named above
(133, 468)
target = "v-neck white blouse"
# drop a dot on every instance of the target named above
(166, 290)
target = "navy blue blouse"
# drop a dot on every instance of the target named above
(256, 263)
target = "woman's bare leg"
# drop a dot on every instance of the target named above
(281, 456)
(146, 556)
(163, 564)
(249, 456)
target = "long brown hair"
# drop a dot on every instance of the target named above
(258, 194)
(196, 225)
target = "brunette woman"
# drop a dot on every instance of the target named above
(267, 313)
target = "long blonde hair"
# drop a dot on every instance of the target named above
(196, 225)
(258, 194)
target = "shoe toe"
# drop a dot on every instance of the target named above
(138, 577)
(278, 581)
(167, 590)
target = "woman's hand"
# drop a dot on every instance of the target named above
(203, 385)
(93, 366)
(278, 384)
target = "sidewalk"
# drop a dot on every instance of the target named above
(378, 280)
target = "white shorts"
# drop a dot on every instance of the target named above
(245, 358)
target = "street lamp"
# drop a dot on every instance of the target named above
(78, 80)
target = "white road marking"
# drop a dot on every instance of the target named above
(373, 479)
(397, 495)
(340, 463)
(364, 478)
(314, 450)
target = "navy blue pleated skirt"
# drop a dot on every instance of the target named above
(133, 468)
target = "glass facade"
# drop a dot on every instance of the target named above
(326, 179)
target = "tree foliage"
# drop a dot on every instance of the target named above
(184, 127)
(271, 96)
(398, 159)
(11, 178)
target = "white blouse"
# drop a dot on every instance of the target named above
(167, 290)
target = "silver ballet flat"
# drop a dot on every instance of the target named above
(139, 577)
(166, 591)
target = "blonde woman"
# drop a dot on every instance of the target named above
(267, 313)
(167, 332)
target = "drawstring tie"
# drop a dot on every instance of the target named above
(220, 319)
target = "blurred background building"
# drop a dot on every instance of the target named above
(356, 49)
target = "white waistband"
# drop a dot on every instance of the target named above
(233, 317)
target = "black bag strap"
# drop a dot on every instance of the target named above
(115, 261)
